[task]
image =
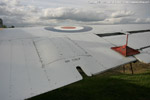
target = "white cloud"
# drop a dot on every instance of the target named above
(77, 14)
(122, 14)
(127, 21)
(142, 20)
(148, 20)
(121, 20)
(14, 13)
(12, 2)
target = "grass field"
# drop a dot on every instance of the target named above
(111, 85)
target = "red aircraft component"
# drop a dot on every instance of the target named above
(125, 50)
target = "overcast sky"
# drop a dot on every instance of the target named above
(62, 12)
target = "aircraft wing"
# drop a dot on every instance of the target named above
(37, 60)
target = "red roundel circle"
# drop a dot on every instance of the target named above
(68, 27)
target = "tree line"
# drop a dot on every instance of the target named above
(4, 26)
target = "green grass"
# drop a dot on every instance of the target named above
(105, 86)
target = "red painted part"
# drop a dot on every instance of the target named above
(125, 50)
(68, 27)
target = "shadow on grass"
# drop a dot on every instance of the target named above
(99, 88)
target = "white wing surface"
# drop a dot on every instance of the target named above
(36, 60)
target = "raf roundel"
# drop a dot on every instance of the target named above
(69, 29)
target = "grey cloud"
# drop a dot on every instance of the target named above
(14, 13)
(2, 3)
(77, 14)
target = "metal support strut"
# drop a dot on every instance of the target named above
(123, 68)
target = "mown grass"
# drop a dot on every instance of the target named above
(111, 85)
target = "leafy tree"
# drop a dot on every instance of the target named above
(12, 26)
(4, 26)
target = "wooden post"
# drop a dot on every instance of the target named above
(131, 68)
(123, 68)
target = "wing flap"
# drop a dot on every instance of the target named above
(143, 57)
(138, 41)
(100, 51)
